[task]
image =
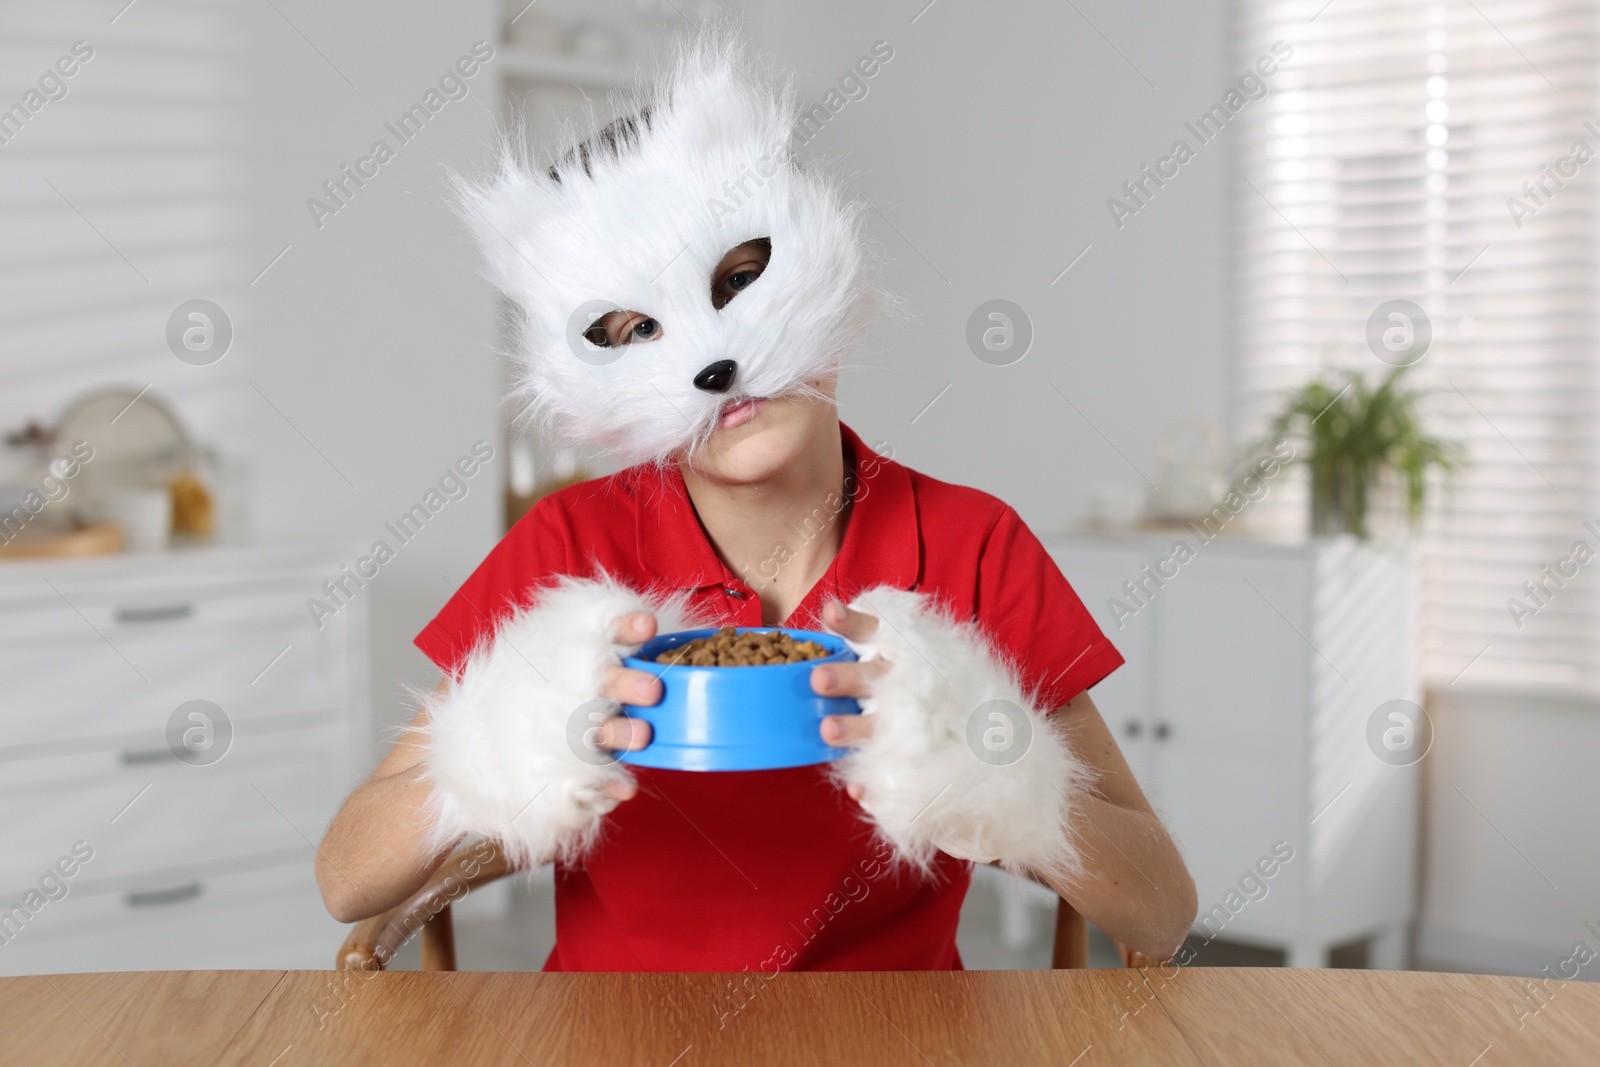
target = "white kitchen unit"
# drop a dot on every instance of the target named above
(200, 817)
(1254, 671)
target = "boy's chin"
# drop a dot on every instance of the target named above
(779, 434)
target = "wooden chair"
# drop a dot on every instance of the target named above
(373, 942)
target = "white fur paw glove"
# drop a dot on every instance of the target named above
(960, 760)
(507, 753)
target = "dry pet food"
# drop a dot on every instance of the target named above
(729, 648)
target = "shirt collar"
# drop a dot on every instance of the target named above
(882, 543)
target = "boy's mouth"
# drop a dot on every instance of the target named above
(740, 412)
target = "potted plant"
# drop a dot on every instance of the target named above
(1357, 436)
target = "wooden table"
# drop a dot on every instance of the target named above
(1225, 1017)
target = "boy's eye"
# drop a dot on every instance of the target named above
(738, 270)
(622, 328)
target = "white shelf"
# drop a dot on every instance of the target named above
(23, 579)
(514, 62)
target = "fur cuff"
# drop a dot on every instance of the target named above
(506, 748)
(961, 760)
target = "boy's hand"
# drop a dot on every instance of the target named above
(625, 686)
(847, 679)
(621, 685)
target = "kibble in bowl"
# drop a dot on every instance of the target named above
(732, 647)
(711, 718)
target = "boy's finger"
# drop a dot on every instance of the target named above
(847, 679)
(855, 625)
(622, 734)
(634, 628)
(623, 685)
(842, 731)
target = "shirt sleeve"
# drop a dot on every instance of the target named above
(533, 553)
(1031, 612)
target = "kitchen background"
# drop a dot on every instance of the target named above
(272, 340)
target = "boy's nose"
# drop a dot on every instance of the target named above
(716, 377)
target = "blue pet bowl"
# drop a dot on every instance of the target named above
(737, 718)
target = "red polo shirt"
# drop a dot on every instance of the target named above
(769, 870)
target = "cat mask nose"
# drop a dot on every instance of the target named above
(716, 377)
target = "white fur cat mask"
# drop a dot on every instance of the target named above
(637, 219)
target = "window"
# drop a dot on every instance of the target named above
(1446, 153)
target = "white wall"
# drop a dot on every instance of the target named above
(991, 142)
(118, 202)
(373, 334)
(1511, 874)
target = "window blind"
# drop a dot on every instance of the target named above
(1446, 153)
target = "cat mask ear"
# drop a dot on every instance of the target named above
(636, 219)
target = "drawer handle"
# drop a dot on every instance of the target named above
(1133, 729)
(156, 613)
(133, 757)
(1162, 731)
(150, 898)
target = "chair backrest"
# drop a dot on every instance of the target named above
(1071, 949)
(372, 943)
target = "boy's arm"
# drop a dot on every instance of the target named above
(1106, 851)
(1135, 885)
(372, 857)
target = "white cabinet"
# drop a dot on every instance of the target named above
(201, 848)
(1254, 670)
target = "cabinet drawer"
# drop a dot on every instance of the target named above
(273, 790)
(102, 668)
(263, 918)
(111, 610)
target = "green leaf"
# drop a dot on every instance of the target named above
(1355, 436)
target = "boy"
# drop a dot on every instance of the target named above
(688, 293)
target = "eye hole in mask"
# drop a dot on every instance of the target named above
(622, 328)
(739, 269)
